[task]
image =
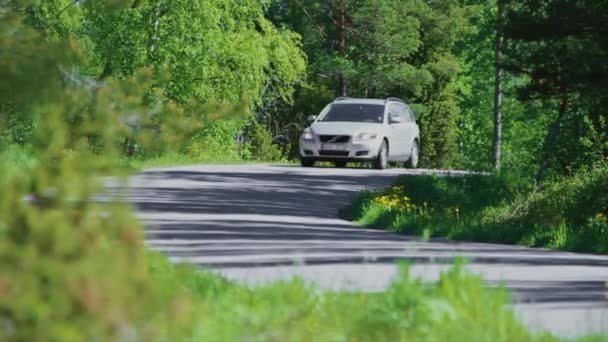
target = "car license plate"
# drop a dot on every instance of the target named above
(333, 147)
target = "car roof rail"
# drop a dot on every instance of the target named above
(394, 99)
(342, 98)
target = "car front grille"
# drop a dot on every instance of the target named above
(334, 153)
(338, 139)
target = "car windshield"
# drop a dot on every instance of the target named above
(353, 112)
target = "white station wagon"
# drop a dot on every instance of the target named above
(362, 130)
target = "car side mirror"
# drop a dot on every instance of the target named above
(312, 118)
(394, 119)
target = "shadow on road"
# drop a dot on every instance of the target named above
(278, 193)
(270, 216)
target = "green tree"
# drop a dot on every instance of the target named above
(387, 48)
(222, 51)
(522, 128)
(209, 51)
(558, 45)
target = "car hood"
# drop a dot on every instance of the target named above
(344, 128)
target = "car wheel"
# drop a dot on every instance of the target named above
(306, 162)
(412, 163)
(381, 161)
(340, 164)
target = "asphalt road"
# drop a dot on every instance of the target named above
(258, 223)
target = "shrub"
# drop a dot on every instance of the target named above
(72, 264)
(220, 140)
(458, 308)
(233, 140)
(567, 213)
(14, 127)
(260, 144)
(70, 268)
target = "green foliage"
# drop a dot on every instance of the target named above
(72, 266)
(261, 145)
(556, 46)
(458, 308)
(525, 123)
(55, 244)
(15, 128)
(233, 140)
(28, 56)
(552, 50)
(221, 50)
(219, 141)
(394, 48)
(568, 213)
(558, 43)
(203, 53)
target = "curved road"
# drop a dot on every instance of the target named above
(258, 223)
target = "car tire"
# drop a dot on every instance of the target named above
(381, 161)
(307, 162)
(412, 163)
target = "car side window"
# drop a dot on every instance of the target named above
(393, 111)
(410, 114)
(404, 113)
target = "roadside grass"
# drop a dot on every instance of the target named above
(570, 213)
(178, 159)
(136, 164)
(459, 307)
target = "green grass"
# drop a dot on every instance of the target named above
(459, 307)
(570, 213)
(174, 159)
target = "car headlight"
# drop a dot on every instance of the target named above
(307, 135)
(367, 136)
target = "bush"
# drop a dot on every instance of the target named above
(15, 128)
(233, 140)
(260, 144)
(568, 213)
(458, 308)
(220, 140)
(70, 268)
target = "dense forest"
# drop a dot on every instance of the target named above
(276, 63)
(89, 87)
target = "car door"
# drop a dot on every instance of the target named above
(397, 141)
(410, 129)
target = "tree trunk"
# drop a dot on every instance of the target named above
(550, 141)
(341, 22)
(154, 36)
(498, 56)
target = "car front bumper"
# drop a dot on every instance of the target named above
(351, 151)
